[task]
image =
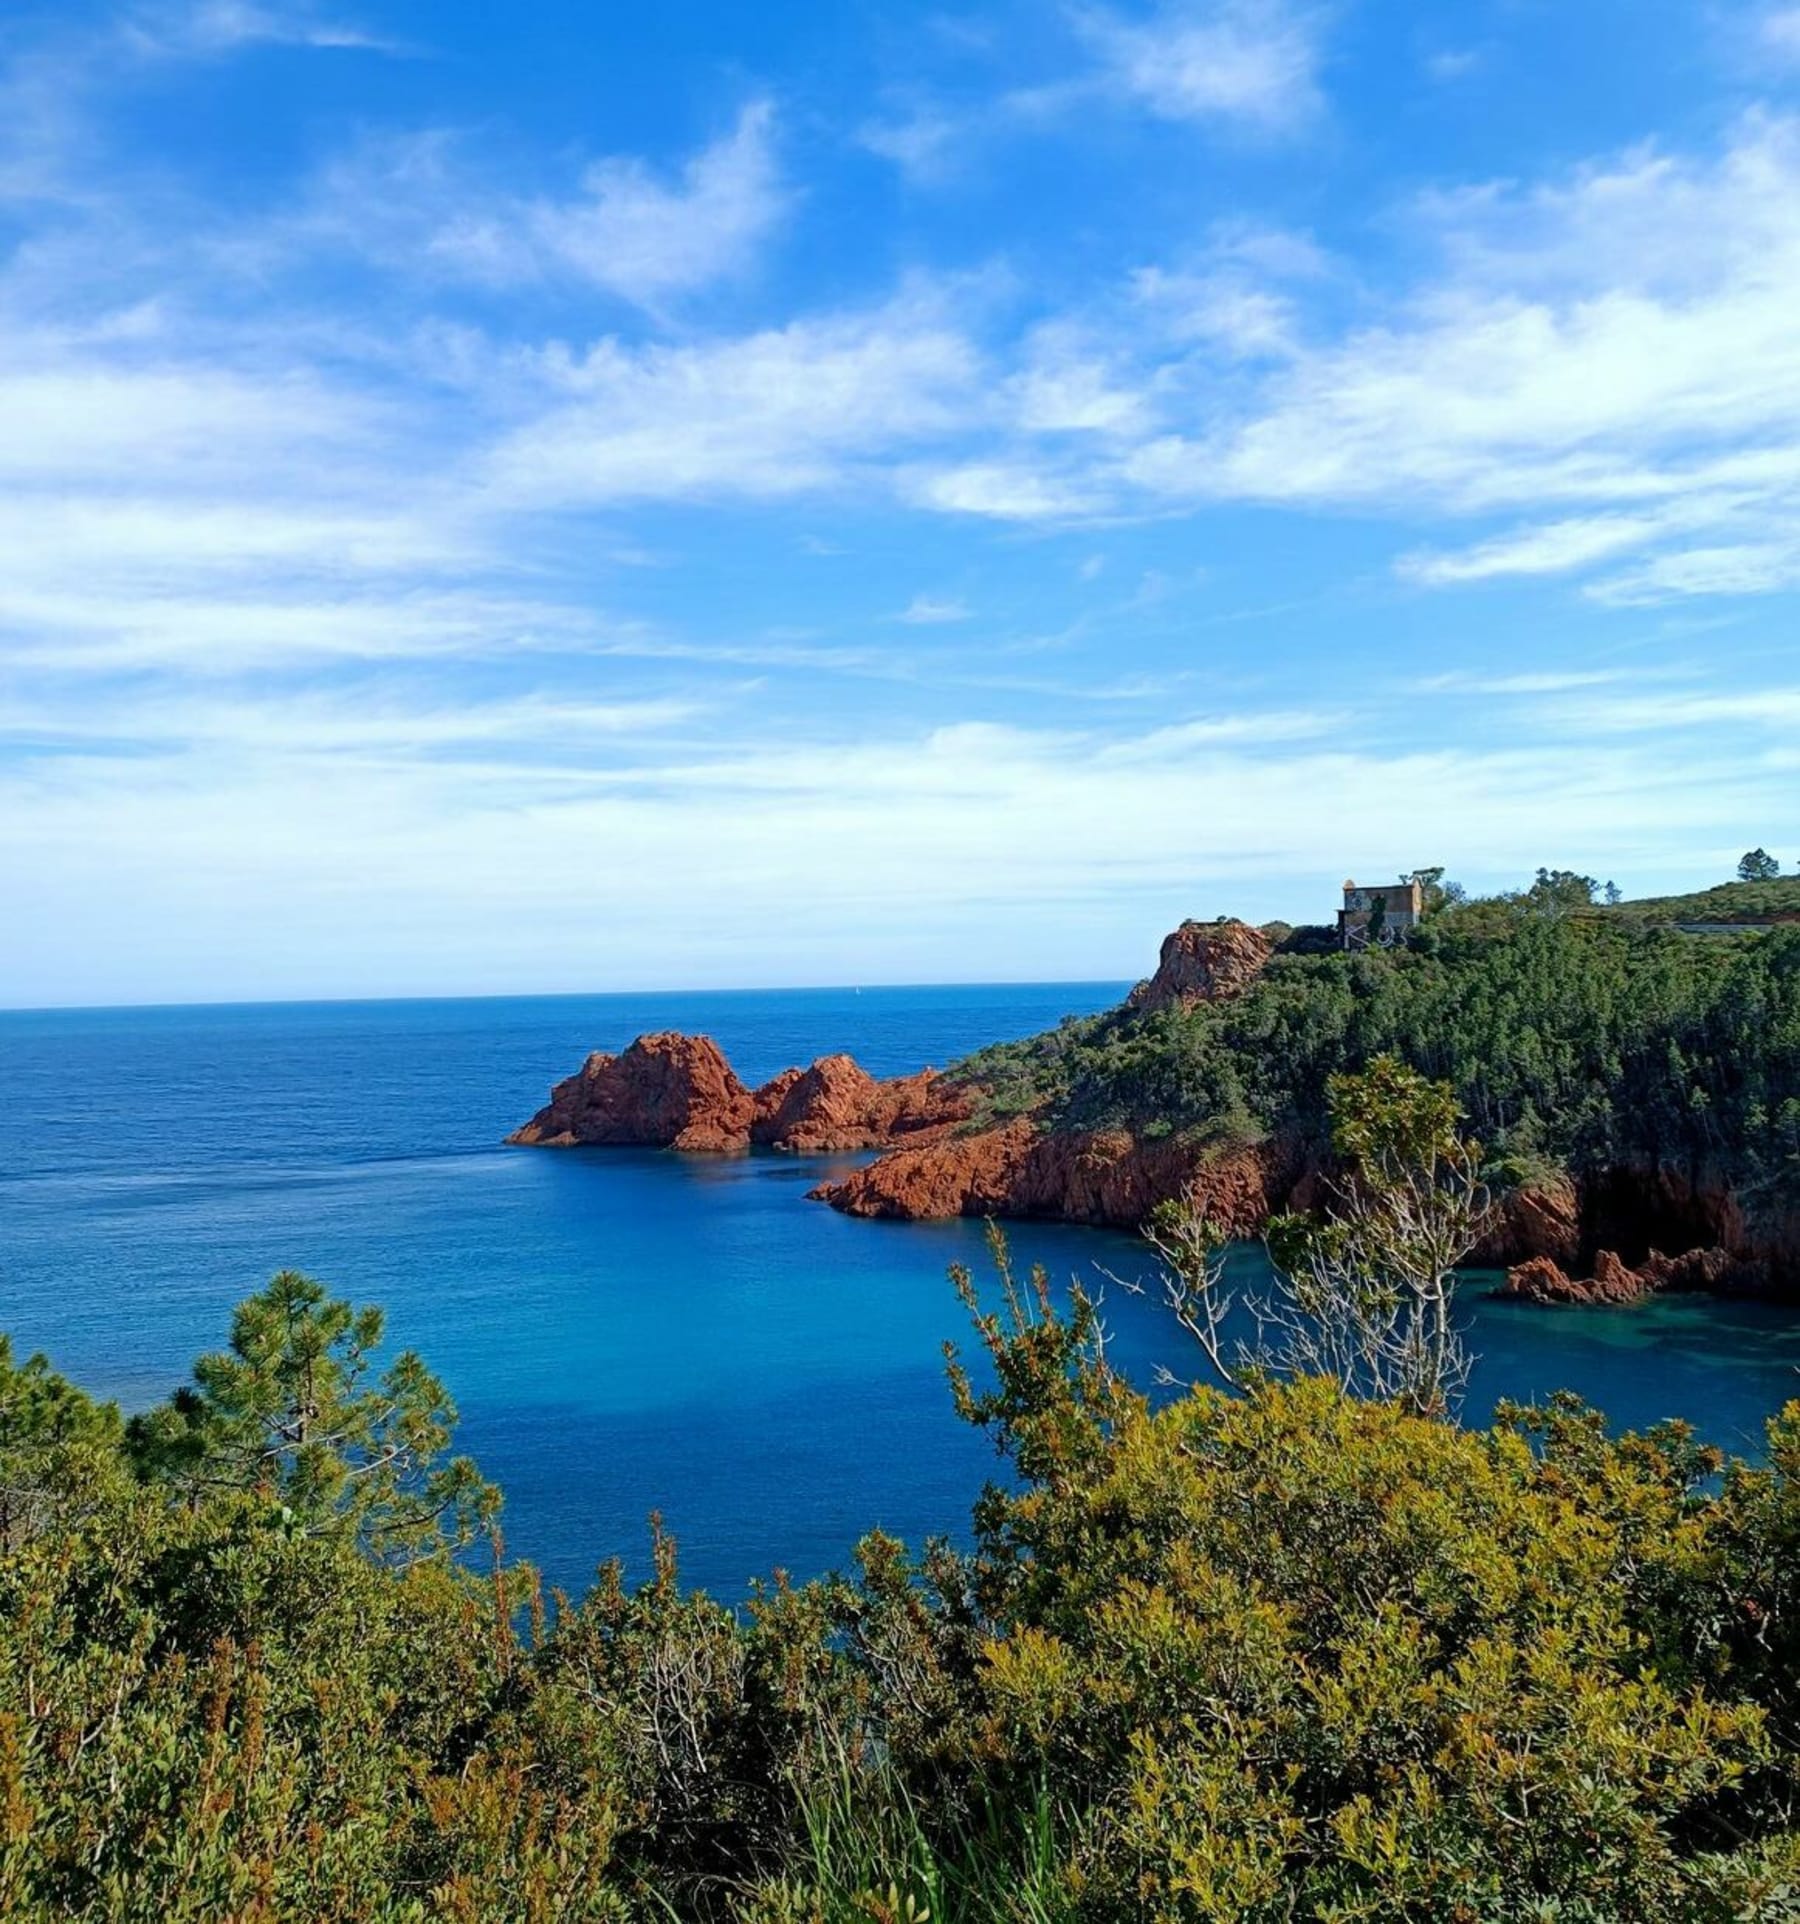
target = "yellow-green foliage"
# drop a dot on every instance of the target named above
(1280, 1656)
(1298, 1649)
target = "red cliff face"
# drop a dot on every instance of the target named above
(1203, 962)
(1101, 1176)
(1538, 1220)
(673, 1091)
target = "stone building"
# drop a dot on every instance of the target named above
(1381, 917)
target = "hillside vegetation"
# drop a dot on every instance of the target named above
(1285, 1655)
(1575, 1036)
(1775, 899)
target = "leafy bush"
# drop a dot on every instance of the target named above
(1279, 1655)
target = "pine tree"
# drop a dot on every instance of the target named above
(295, 1413)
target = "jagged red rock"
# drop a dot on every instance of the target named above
(1204, 962)
(1538, 1219)
(667, 1091)
(1092, 1176)
(673, 1091)
(1615, 1281)
(837, 1105)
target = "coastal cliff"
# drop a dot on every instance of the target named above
(1634, 1086)
(673, 1091)
(1105, 1177)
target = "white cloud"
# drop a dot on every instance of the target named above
(921, 140)
(1542, 682)
(974, 840)
(1774, 709)
(1552, 548)
(1241, 730)
(377, 725)
(1222, 309)
(1779, 31)
(629, 231)
(1620, 344)
(934, 610)
(1252, 62)
(84, 416)
(1448, 64)
(1727, 568)
(766, 415)
(223, 26)
(1014, 490)
(1068, 384)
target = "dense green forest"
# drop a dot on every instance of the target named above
(1273, 1656)
(1574, 1034)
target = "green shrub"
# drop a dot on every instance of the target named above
(1279, 1655)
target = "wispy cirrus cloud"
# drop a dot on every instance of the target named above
(1778, 32)
(822, 403)
(1550, 548)
(1251, 63)
(206, 27)
(933, 611)
(431, 202)
(1619, 343)
(628, 229)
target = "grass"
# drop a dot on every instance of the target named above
(869, 1857)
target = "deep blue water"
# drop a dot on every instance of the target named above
(623, 1330)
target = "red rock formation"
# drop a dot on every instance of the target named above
(1203, 962)
(673, 1091)
(837, 1105)
(1104, 1176)
(666, 1091)
(1540, 1219)
(1615, 1281)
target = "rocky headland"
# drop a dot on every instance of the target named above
(953, 1146)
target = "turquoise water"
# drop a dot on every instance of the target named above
(623, 1330)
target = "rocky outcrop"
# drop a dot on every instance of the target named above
(838, 1105)
(667, 1091)
(1537, 1220)
(672, 1091)
(1615, 1281)
(1203, 962)
(1093, 1176)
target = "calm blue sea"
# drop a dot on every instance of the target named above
(624, 1331)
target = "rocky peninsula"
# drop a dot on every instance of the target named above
(1205, 1083)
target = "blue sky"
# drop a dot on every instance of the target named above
(563, 497)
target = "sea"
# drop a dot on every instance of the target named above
(628, 1332)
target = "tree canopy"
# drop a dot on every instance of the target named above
(1570, 1036)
